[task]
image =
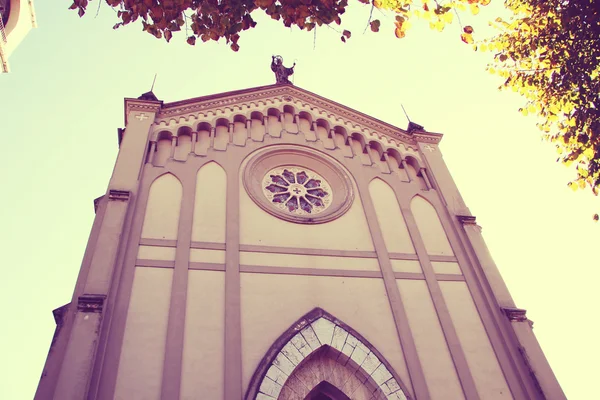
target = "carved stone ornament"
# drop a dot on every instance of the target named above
(298, 184)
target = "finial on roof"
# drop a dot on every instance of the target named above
(281, 72)
(150, 94)
(412, 126)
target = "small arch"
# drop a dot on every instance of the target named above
(359, 148)
(414, 171)
(289, 119)
(319, 334)
(305, 125)
(322, 129)
(184, 143)
(240, 130)
(395, 162)
(204, 126)
(221, 134)
(163, 148)
(161, 218)
(274, 125)
(340, 138)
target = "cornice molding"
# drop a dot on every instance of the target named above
(515, 314)
(141, 105)
(467, 219)
(291, 95)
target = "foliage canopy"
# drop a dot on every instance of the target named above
(548, 51)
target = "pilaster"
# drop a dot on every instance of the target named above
(93, 300)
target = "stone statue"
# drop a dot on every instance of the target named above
(281, 72)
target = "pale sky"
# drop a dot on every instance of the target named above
(63, 102)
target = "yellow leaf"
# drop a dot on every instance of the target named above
(448, 17)
(524, 111)
(531, 108)
(554, 109)
(573, 187)
(581, 184)
(483, 47)
(474, 9)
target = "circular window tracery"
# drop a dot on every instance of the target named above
(297, 190)
(297, 184)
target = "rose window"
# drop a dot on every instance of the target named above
(297, 190)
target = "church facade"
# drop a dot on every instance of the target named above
(269, 243)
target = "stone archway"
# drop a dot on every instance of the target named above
(320, 357)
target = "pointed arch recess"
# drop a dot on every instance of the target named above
(161, 217)
(315, 334)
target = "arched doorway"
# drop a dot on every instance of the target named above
(321, 358)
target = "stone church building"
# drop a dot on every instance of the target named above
(269, 243)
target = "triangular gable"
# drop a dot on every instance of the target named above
(200, 108)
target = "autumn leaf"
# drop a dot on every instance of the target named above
(191, 40)
(375, 25)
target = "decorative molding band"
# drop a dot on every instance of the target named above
(158, 242)
(307, 252)
(208, 245)
(122, 195)
(154, 263)
(91, 303)
(141, 105)
(449, 277)
(346, 273)
(409, 275)
(206, 266)
(466, 219)
(515, 314)
(289, 94)
(403, 256)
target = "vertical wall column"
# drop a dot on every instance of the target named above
(176, 326)
(194, 140)
(76, 369)
(454, 346)
(233, 321)
(150, 158)
(407, 343)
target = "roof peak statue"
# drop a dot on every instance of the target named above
(281, 72)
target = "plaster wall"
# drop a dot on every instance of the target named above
(258, 227)
(161, 219)
(430, 227)
(446, 268)
(156, 253)
(438, 367)
(271, 303)
(305, 261)
(207, 256)
(141, 362)
(406, 266)
(389, 216)
(209, 204)
(486, 371)
(203, 369)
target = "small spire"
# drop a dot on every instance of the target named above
(412, 126)
(150, 94)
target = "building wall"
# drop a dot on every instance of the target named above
(214, 282)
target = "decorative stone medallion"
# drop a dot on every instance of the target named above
(297, 184)
(297, 190)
